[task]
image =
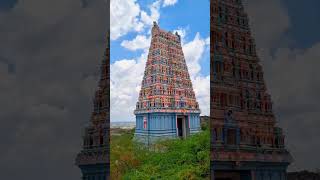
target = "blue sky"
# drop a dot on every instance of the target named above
(131, 21)
(172, 18)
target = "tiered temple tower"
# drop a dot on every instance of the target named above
(245, 142)
(93, 160)
(167, 106)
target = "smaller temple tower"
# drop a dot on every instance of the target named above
(167, 106)
(93, 160)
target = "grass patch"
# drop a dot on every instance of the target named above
(178, 159)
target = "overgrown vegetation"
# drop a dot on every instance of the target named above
(170, 159)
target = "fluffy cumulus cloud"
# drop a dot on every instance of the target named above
(126, 74)
(139, 42)
(169, 2)
(194, 52)
(201, 86)
(124, 17)
(127, 16)
(154, 16)
(126, 77)
(182, 32)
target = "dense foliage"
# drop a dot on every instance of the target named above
(170, 159)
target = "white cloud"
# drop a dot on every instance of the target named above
(201, 87)
(139, 42)
(126, 77)
(193, 51)
(124, 17)
(182, 32)
(169, 2)
(208, 41)
(154, 16)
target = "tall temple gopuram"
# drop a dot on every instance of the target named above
(93, 160)
(245, 141)
(167, 106)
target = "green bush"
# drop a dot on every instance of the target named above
(174, 159)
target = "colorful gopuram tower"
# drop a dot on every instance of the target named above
(167, 106)
(245, 141)
(93, 160)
